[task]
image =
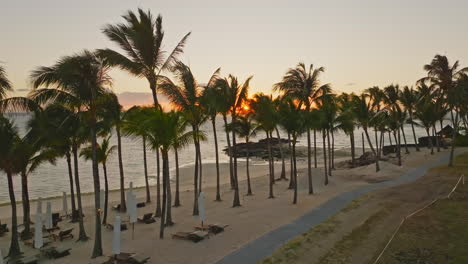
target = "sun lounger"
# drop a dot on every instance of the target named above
(140, 205)
(212, 228)
(55, 253)
(62, 235)
(195, 237)
(123, 227)
(135, 259)
(147, 218)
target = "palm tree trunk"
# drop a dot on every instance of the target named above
(272, 158)
(14, 244)
(291, 170)
(123, 206)
(158, 185)
(404, 139)
(236, 200)
(390, 138)
(434, 134)
(97, 249)
(414, 132)
(200, 168)
(164, 193)
(333, 150)
(329, 153)
(430, 141)
(325, 165)
(169, 221)
(218, 191)
(249, 188)
(377, 167)
(271, 195)
(106, 194)
(363, 147)
(26, 234)
(283, 163)
(397, 141)
(74, 214)
(177, 198)
(195, 176)
(82, 233)
(152, 84)
(309, 163)
(231, 175)
(452, 147)
(377, 143)
(353, 151)
(382, 143)
(315, 148)
(145, 165)
(295, 171)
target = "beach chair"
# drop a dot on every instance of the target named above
(136, 259)
(62, 235)
(55, 253)
(195, 237)
(147, 218)
(140, 205)
(123, 227)
(212, 228)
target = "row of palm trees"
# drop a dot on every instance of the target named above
(75, 113)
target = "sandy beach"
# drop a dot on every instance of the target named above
(257, 215)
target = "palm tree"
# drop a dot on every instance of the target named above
(8, 153)
(409, 98)
(5, 84)
(425, 112)
(185, 95)
(134, 126)
(103, 152)
(236, 93)
(304, 85)
(79, 80)
(113, 116)
(265, 115)
(141, 39)
(245, 128)
(444, 77)
(364, 115)
(346, 121)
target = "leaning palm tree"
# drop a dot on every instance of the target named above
(103, 152)
(77, 81)
(304, 85)
(346, 121)
(409, 98)
(185, 95)
(425, 112)
(5, 84)
(8, 140)
(236, 93)
(141, 39)
(246, 128)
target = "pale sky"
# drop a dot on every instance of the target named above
(361, 43)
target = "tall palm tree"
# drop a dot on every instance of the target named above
(8, 140)
(304, 85)
(245, 128)
(364, 115)
(409, 98)
(185, 95)
(141, 40)
(425, 112)
(346, 121)
(77, 82)
(444, 77)
(134, 126)
(113, 115)
(103, 151)
(5, 84)
(236, 93)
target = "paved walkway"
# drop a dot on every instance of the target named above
(265, 245)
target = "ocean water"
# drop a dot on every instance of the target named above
(51, 180)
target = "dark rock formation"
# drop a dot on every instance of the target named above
(260, 149)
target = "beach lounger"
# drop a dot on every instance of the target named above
(147, 218)
(212, 228)
(55, 253)
(140, 205)
(195, 237)
(136, 259)
(62, 235)
(123, 227)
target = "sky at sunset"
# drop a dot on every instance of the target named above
(360, 43)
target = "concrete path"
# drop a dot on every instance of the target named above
(265, 245)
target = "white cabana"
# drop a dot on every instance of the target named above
(116, 239)
(48, 217)
(65, 204)
(201, 207)
(38, 239)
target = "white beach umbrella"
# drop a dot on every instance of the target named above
(102, 196)
(38, 240)
(48, 219)
(132, 208)
(116, 238)
(65, 203)
(39, 210)
(201, 207)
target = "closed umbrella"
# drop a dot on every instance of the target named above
(102, 196)
(48, 220)
(116, 239)
(132, 211)
(65, 203)
(38, 240)
(201, 207)
(39, 210)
